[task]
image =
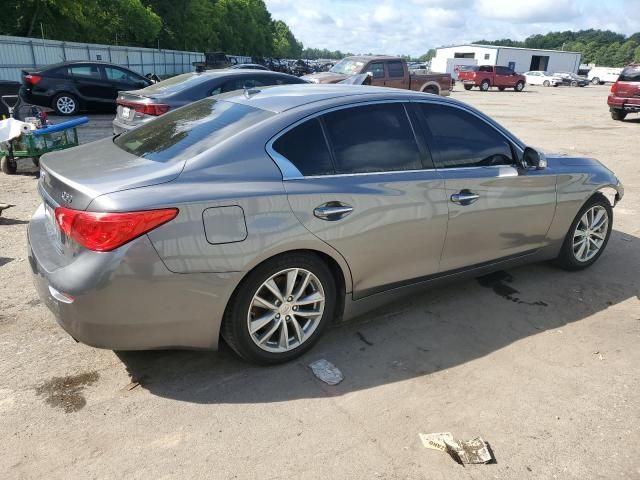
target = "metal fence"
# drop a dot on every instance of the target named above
(19, 53)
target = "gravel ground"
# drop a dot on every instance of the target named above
(551, 381)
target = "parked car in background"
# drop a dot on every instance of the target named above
(70, 87)
(625, 93)
(538, 77)
(600, 75)
(139, 106)
(487, 76)
(214, 61)
(248, 66)
(572, 80)
(265, 218)
(385, 72)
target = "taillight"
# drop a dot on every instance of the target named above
(614, 88)
(154, 109)
(103, 232)
(32, 79)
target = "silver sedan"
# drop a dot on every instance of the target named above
(263, 216)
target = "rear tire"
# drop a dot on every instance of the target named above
(431, 89)
(65, 104)
(10, 167)
(570, 254)
(468, 87)
(618, 114)
(485, 85)
(266, 345)
(501, 89)
(519, 86)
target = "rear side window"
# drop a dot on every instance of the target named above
(395, 69)
(630, 74)
(246, 82)
(464, 140)
(372, 138)
(485, 68)
(306, 148)
(190, 130)
(85, 71)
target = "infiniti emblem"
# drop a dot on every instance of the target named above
(67, 197)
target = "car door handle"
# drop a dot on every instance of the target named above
(332, 211)
(464, 197)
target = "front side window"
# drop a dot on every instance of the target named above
(503, 71)
(118, 75)
(377, 69)
(306, 148)
(372, 138)
(395, 69)
(464, 140)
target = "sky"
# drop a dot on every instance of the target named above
(413, 26)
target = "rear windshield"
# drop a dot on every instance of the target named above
(468, 68)
(190, 130)
(175, 84)
(630, 74)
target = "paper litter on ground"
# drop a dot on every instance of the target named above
(472, 451)
(326, 371)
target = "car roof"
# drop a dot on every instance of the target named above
(82, 62)
(281, 98)
(373, 57)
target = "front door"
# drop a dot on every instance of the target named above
(496, 210)
(365, 191)
(505, 77)
(377, 70)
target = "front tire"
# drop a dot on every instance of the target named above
(484, 86)
(618, 114)
(8, 166)
(65, 104)
(595, 81)
(280, 309)
(588, 235)
(519, 86)
(546, 83)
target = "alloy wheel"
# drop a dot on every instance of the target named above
(286, 310)
(590, 233)
(66, 105)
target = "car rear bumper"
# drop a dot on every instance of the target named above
(624, 103)
(28, 96)
(121, 127)
(127, 299)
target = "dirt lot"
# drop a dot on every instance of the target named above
(542, 363)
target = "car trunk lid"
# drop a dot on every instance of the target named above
(73, 178)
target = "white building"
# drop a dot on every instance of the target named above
(519, 59)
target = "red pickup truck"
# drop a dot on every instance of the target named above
(487, 76)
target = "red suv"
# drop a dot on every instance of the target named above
(487, 76)
(625, 93)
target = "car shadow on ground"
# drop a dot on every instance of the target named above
(432, 331)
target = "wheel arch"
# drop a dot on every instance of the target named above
(430, 84)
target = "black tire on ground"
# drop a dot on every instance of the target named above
(501, 89)
(546, 83)
(574, 83)
(519, 86)
(65, 104)
(8, 166)
(431, 89)
(595, 81)
(485, 85)
(235, 330)
(618, 114)
(468, 87)
(567, 259)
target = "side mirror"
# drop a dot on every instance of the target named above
(534, 158)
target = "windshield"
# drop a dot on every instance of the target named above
(190, 130)
(630, 74)
(175, 84)
(347, 67)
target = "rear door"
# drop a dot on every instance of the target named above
(367, 188)
(91, 84)
(397, 76)
(496, 210)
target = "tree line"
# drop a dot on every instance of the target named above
(240, 27)
(602, 47)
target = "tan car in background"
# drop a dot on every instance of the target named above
(385, 72)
